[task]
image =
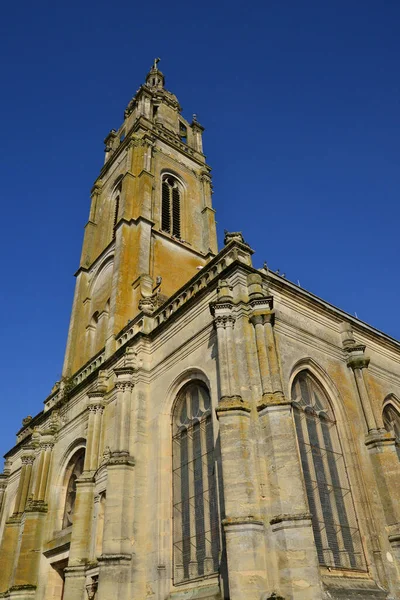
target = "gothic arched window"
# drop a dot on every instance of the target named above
(171, 206)
(74, 470)
(195, 511)
(391, 420)
(336, 533)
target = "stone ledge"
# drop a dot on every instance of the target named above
(232, 403)
(121, 458)
(352, 588)
(119, 559)
(272, 399)
(288, 517)
(203, 592)
(379, 439)
(236, 521)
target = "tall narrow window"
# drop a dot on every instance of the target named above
(116, 209)
(334, 522)
(391, 420)
(74, 470)
(195, 512)
(171, 206)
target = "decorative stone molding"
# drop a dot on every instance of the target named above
(379, 439)
(39, 506)
(249, 520)
(115, 558)
(121, 458)
(224, 321)
(232, 403)
(124, 378)
(288, 517)
(356, 358)
(27, 459)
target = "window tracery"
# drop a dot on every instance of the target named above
(171, 206)
(195, 511)
(336, 532)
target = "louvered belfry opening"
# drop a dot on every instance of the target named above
(171, 206)
(391, 420)
(195, 508)
(336, 532)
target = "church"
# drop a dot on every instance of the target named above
(219, 433)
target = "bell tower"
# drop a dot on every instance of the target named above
(151, 223)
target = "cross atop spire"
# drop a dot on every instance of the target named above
(155, 78)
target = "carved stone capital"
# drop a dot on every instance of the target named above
(124, 378)
(95, 407)
(272, 399)
(27, 459)
(124, 385)
(224, 321)
(121, 458)
(232, 403)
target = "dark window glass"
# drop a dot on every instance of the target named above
(196, 523)
(336, 533)
(171, 206)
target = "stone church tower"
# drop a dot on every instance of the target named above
(218, 433)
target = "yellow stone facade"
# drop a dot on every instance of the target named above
(219, 432)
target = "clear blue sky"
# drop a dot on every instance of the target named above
(300, 101)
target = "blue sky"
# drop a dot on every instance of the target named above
(300, 101)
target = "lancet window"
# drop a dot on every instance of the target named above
(171, 193)
(391, 420)
(116, 197)
(336, 532)
(195, 508)
(74, 470)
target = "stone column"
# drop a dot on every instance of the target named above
(9, 543)
(290, 524)
(243, 527)
(381, 446)
(80, 549)
(118, 525)
(3, 487)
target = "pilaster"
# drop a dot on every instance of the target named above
(380, 443)
(290, 526)
(9, 549)
(244, 531)
(118, 521)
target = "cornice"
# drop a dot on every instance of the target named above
(286, 287)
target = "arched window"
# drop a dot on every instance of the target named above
(195, 512)
(171, 206)
(334, 522)
(391, 420)
(74, 470)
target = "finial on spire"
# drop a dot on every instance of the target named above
(156, 61)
